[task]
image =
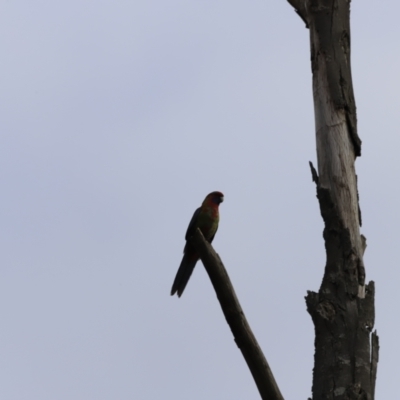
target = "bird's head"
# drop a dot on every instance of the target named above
(215, 198)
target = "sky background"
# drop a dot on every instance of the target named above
(117, 118)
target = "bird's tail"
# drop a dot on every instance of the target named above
(184, 272)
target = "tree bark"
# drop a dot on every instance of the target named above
(343, 309)
(237, 321)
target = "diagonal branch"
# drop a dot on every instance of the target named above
(237, 321)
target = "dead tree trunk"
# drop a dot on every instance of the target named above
(343, 309)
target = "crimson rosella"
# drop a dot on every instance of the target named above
(206, 217)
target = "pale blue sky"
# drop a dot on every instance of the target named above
(117, 118)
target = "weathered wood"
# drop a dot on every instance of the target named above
(374, 361)
(335, 113)
(236, 320)
(343, 368)
(343, 315)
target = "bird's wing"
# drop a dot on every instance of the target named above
(193, 224)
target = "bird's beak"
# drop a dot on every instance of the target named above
(222, 199)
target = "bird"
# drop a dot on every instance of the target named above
(206, 218)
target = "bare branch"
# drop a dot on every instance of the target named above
(237, 321)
